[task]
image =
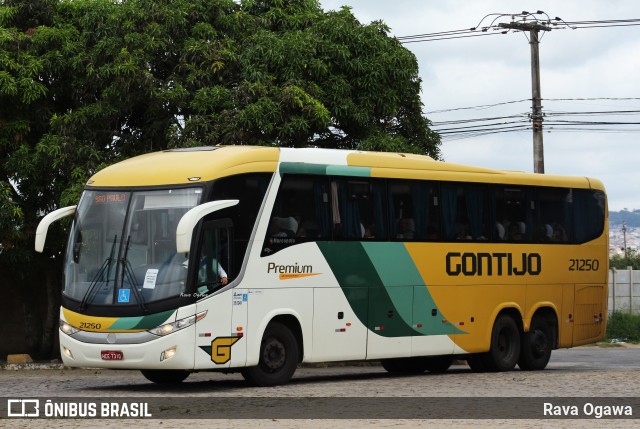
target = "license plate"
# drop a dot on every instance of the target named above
(111, 355)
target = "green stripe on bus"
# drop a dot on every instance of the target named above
(323, 169)
(154, 320)
(385, 289)
(364, 289)
(345, 170)
(303, 168)
(406, 288)
(125, 323)
(141, 322)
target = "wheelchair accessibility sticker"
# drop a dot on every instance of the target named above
(124, 295)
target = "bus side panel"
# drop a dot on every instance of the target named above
(565, 318)
(473, 309)
(386, 306)
(239, 325)
(216, 343)
(590, 313)
(338, 334)
(268, 304)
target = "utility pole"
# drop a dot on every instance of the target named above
(624, 235)
(536, 98)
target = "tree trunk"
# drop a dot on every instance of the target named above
(48, 347)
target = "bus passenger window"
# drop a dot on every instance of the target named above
(300, 213)
(465, 212)
(513, 214)
(552, 214)
(358, 209)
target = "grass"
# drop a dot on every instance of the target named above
(623, 326)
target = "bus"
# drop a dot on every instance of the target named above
(257, 259)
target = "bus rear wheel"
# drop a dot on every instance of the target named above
(278, 357)
(165, 376)
(537, 344)
(505, 345)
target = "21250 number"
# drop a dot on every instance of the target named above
(584, 264)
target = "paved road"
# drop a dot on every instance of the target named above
(581, 372)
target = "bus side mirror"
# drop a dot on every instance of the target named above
(188, 222)
(43, 226)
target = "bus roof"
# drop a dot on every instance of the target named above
(193, 165)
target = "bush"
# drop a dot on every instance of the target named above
(624, 326)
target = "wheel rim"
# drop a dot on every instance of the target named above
(274, 355)
(504, 344)
(538, 343)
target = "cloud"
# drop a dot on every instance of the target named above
(581, 63)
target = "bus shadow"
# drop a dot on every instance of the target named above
(220, 384)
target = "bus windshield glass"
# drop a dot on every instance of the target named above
(122, 247)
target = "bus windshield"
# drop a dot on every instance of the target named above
(122, 247)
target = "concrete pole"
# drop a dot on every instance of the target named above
(536, 103)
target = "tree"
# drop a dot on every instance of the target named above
(86, 83)
(622, 262)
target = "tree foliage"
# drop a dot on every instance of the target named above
(622, 262)
(86, 83)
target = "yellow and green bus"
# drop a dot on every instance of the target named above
(255, 259)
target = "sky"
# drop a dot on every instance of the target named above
(600, 64)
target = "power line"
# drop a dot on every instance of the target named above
(533, 24)
(492, 30)
(458, 129)
(480, 107)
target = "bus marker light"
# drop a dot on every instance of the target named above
(239, 328)
(168, 354)
(341, 330)
(444, 320)
(206, 334)
(379, 328)
(67, 352)
(348, 323)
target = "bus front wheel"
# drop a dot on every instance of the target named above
(536, 346)
(505, 345)
(278, 357)
(165, 376)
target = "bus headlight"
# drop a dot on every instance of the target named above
(67, 329)
(169, 328)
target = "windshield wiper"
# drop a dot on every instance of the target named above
(128, 272)
(106, 266)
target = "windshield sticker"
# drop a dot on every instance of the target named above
(110, 198)
(150, 278)
(124, 295)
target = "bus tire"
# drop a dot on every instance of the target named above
(505, 345)
(167, 376)
(535, 350)
(278, 357)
